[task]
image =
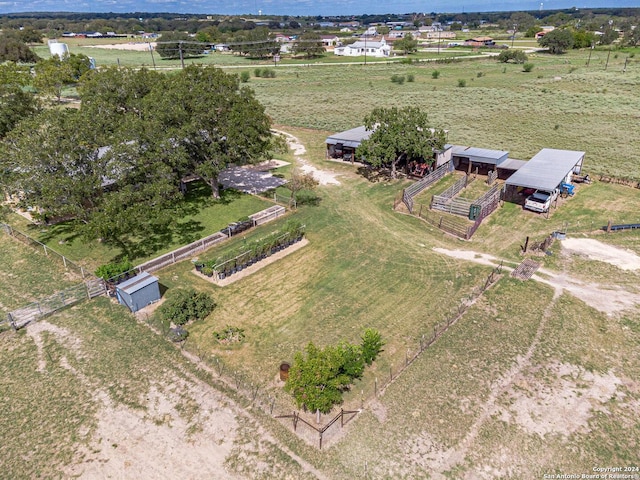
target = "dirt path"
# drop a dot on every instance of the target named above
(610, 299)
(457, 455)
(323, 177)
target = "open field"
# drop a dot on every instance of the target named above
(530, 380)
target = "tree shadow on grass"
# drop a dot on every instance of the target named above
(67, 230)
(374, 175)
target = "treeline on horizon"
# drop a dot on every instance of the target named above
(146, 21)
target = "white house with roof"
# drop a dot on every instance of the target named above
(372, 48)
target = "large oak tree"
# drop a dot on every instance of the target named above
(399, 134)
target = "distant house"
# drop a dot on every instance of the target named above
(544, 31)
(329, 40)
(371, 48)
(431, 35)
(480, 42)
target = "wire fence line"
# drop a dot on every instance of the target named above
(48, 251)
(323, 430)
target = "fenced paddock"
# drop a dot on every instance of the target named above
(412, 191)
(324, 431)
(449, 203)
(21, 317)
(48, 251)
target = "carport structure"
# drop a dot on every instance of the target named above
(546, 170)
(467, 158)
(343, 144)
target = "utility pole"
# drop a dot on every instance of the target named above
(590, 50)
(439, 39)
(181, 55)
(365, 47)
(153, 60)
(515, 29)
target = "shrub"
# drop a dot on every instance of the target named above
(515, 56)
(411, 77)
(269, 73)
(114, 269)
(178, 334)
(435, 74)
(244, 76)
(399, 79)
(185, 305)
(462, 83)
(407, 61)
(480, 74)
(229, 335)
(257, 72)
(527, 67)
(371, 345)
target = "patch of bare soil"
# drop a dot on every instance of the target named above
(610, 299)
(595, 250)
(322, 176)
(162, 442)
(559, 399)
(255, 267)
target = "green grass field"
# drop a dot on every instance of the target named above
(529, 381)
(200, 216)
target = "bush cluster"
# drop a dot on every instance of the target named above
(399, 79)
(318, 379)
(113, 270)
(265, 72)
(515, 56)
(185, 305)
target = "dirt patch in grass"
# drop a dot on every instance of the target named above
(559, 399)
(170, 436)
(610, 299)
(595, 250)
(322, 176)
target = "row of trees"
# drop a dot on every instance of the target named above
(256, 43)
(114, 165)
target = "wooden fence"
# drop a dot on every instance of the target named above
(410, 192)
(295, 417)
(190, 250)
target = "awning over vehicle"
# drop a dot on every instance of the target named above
(547, 169)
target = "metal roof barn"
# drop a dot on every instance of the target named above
(547, 169)
(139, 291)
(480, 155)
(350, 138)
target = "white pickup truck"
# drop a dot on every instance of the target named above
(540, 201)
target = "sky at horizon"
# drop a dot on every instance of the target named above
(300, 7)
